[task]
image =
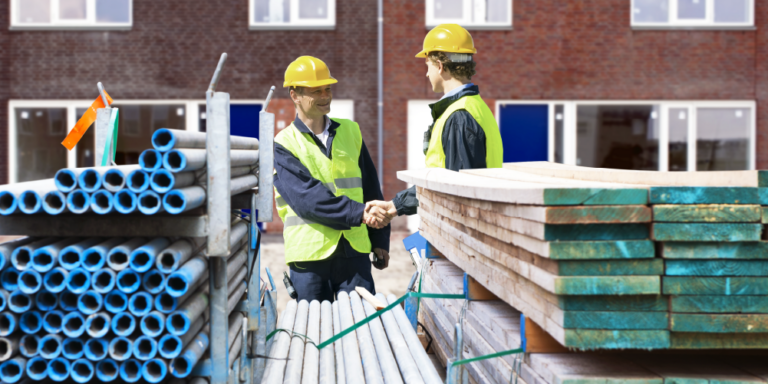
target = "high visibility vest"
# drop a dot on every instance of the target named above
(494, 151)
(304, 239)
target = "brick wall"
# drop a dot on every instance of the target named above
(578, 50)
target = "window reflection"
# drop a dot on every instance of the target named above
(86, 147)
(35, 11)
(39, 153)
(618, 136)
(678, 139)
(691, 9)
(559, 132)
(651, 11)
(272, 11)
(313, 9)
(72, 9)
(722, 139)
(449, 9)
(732, 11)
(113, 11)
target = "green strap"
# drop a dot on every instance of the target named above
(489, 356)
(369, 318)
(110, 146)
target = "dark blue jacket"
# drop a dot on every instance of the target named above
(311, 200)
(463, 142)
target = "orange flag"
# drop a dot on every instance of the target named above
(84, 123)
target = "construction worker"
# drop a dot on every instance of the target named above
(323, 178)
(464, 133)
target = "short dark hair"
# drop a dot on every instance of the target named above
(458, 70)
(299, 90)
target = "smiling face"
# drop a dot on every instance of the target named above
(435, 72)
(313, 102)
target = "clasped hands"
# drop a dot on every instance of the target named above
(378, 214)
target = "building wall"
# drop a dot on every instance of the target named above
(578, 50)
(172, 50)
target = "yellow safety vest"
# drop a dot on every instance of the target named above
(304, 239)
(494, 151)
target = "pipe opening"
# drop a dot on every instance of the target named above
(103, 280)
(122, 347)
(141, 258)
(23, 257)
(124, 323)
(153, 281)
(161, 139)
(93, 259)
(170, 345)
(128, 280)
(113, 179)
(108, 368)
(54, 320)
(78, 279)
(181, 365)
(50, 346)
(79, 200)
(177, 284)
(38, 367)
(10, 370)
(5, 323)
(162, 180)
(42, 258)
(118, 258)
(154, 369)
(178, 322)
(31, 320)
(145, 346)
(5, 347)
(29, 200)
(73, 347)
(21, 301)
(97, 348)
(6, 201)
(153, 323)
(46, 299)
(125, 200)
(174, 160)
(149, 201)
(174, 200)
(30, 280)
(167, 302)
(131, 368)
(116, 301)
(82, 369)
(102, 200)
(74, 324)
(29, 344)
(59, 367)
(70, 258)
(68, 301)
(167, 260)
(89, 178)
(137, 180)
(54, 201)
(66, 179)
(98, 324)
(90, 301)
(140, 303)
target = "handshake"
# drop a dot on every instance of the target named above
(379, 213)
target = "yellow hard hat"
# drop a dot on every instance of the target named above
(448, 38)
(308, 71)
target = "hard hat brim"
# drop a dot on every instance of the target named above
(425, 52)
(309, 84)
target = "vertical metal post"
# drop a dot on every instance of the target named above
(266, 162)
(103, 117)
(219, 221)
(254, 292)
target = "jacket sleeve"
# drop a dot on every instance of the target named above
(309, 198)
(372, 191)
(463, 142)
(406, 202)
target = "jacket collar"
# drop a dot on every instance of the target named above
(304, 129)
(439, 107)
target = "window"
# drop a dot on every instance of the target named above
(693, 13)
(71, 14)
(292, 14)
(38, 151)
(471, 14)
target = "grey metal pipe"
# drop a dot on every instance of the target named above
(389, 368)
(164, 180)
(21, 257)
(337, 345)
(54, 202)
(7, 248)
(353, 364)
(45, 258)
(10, 194)
(311, 353)
(408, 368)
(368, 351)
(428, 371)
(188, 198)
(182, 160)
(275, 369)
(142, 259)
(114, 178)
(119, 258)
(174, 256)
(327, 368)
(182, 366)
(296, 353)
(166, 139)
(380, 91)
(31, 200)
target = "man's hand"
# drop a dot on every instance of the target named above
(381, 258)
(384, 211)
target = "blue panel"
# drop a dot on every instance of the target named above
(244, 120)
(524, 131)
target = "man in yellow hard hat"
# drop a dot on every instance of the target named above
(464, 133)
(323, 178)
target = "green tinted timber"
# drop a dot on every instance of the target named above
(591, 250)
(595, 196)
(598, 214)
(694, 250)
(696, 340)
(718, 304)
(728, 232)
(586, 339)
(728, 286)
(608, 285)
(710, 213)
(643, 303)
(641, 267)
(718, 323)
(575, 232)
(716, 268)
(615, 320)
(704, 195)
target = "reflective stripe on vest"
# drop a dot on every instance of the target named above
(306, 240)
(494, 151)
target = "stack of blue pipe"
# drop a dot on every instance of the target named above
(108, 309)
(168, 178)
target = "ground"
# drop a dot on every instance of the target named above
(391, 280)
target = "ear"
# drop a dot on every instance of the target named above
(439, 65)
(294, 96)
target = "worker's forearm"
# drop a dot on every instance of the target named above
(406, 202)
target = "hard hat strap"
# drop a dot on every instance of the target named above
(459, 57)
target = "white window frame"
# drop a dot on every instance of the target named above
(570, 124)
(708, 23)
(89, 24)
(295, 22)
(467, 21)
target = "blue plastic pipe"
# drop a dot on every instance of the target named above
(153, 282)
(21, 257)
(138, 181)
(128, 281)
(144, 348)
(45, 258)
(94, 257)
(30, 281)
(68, 301)
(20, 302)
(103, 280)
(153, 324)
(31, 322)
(120, 348)
(90, 302)
(116, 302)
(96, 349)
(29, 345)
(55, 280)
(78, 201)
(125, 201)
(58, 369)
(107, 370)
(123, 324)
(142, 259)
(12, 370)
(70, 257)
(174, 256)
(130, 371)
(73, 348)
(46, 301)
(3, 299)
(166, 303)
(78, 281)
(179, 322)
(7, 248)
(50, 346)
(53, 321)
(54, 202)
(171, 346)
(115, 178)
(102, 202)
(154, 370)
(140, 304)
(181, 281)
(89, 180)
(74, 324)
(150, 160)
(182, 366)
(37, 368)
(30, 202)
(10, 279)
(66, 179)
(163, 181)
(8, 323)
(118, 257)
(177, 160)
(150, 203)
(82, 371)
(9, 203)
(97, 325)
(184, 199)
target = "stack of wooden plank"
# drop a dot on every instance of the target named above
(575, 257)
